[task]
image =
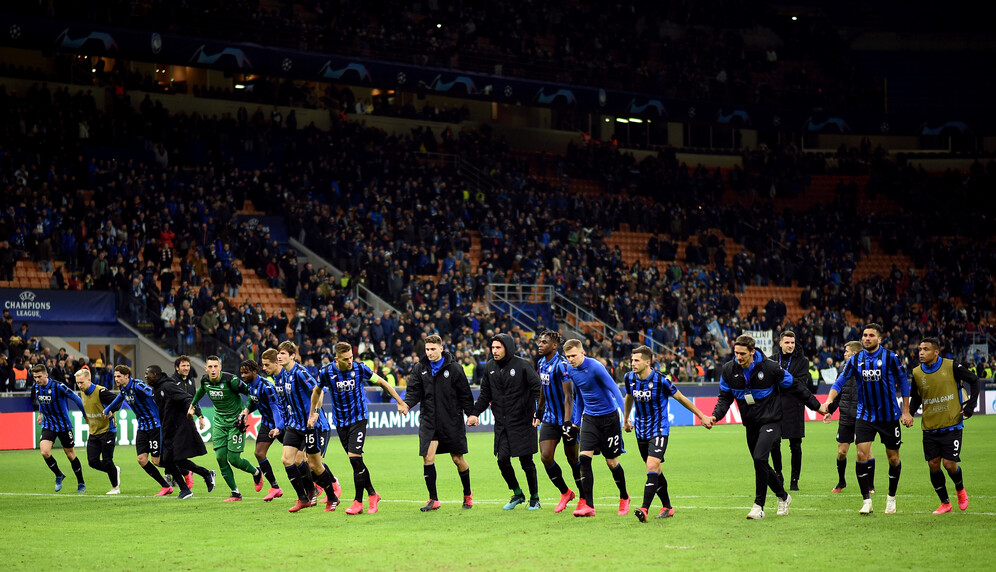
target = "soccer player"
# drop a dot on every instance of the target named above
(649, 390)
(345, 380)
(511, 388)
(148, 439)
(49, 399)
(937, 384)
(263, 396)
(224, 389)
(438, 382)
(880, 375)
(181, 441)
(794, 361)
(302, 439)
(755, 382)
(101, 435)
(556, 405)
(847, 401)
(600, 428)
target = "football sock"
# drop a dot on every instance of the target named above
(576, 471)
(620, 477)
(429, 472)
(264, 465)
(662, 491)
(177, 475)
(77, 469)
(226, 470)
(557, 477)
(959, 483)
(325, 481)
(871, 473)
(862, 471)
(586, 480)
(331, 474)
(464, 478)
(294, 476)
(505, 467)
(894, 478)
(359, 476)
(529, 467)
(940, 486)
(236, 460)
(307, 478)
(53, 466)
(650, 489)
(841, 470)
(154, 473)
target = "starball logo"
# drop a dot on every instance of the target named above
(26, 305)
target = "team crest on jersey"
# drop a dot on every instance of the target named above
(650, 386)
(760, 375)
(511, 372)
(879, 363)
(446, 373)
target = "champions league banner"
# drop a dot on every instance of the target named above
(241, 57)
(58, 306)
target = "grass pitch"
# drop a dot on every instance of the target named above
(710, 481)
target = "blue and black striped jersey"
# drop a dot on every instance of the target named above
(650, 403)
(263, 397)
(880, 378)
(53, 403)
(141, 401)
(553, 374)
(346, 388)
(298, 385)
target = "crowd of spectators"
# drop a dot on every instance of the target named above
(738, 51)
(401, 225)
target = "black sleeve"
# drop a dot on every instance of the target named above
(413, 391)
(191, 390)
(34, 402)
(799, 388)
(464, 395)
(106, 397)
(535, 388)
(484, 397)
(966, 378)
(915, 400)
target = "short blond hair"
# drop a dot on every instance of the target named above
(82, 373)
(572, 344)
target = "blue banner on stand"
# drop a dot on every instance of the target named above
(58, 305)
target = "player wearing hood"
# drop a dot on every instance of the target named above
(510, 386)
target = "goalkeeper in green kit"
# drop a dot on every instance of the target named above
(228, 429)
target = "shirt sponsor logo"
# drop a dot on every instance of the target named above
(216, 394)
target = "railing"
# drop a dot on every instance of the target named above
(513, 296)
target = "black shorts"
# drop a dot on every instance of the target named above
(845, 433)
(551, 432)
(653, 447)
(149, 442)
(263, 434)
(602, 434)
(352, 436)
(66, 438)
(316, 441)
(943, 444)
(888, 432)
(295, 438)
